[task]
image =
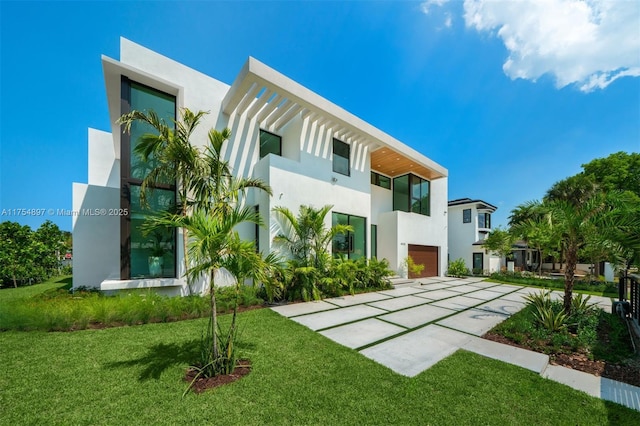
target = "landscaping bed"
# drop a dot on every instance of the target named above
(597, 343)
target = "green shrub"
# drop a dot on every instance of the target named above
(457, 268)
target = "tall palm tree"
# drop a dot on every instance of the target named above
(204, 180)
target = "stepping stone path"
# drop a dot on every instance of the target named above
(412, 327)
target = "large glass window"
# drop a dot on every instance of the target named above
(145, 252)
(352, 244)
(269, 144)
(341, 155)
(152, 252)
(484, 220)
(380, 180)
(411, 194)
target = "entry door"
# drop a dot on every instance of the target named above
(478, 262)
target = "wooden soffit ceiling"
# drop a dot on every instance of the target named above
(391, 163)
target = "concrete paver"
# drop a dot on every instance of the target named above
(584, 382)
(332, 318)
(361, 333)
(439, 294)
(473, 321)
(483, 284)
(502, 306)
(357, 299)
(295, 309)
(414, 352)
(408, 329)
(530, 360)
(399, 303)
(417, 316)
(434, 286)
(458, 303)
(485, 294)
(403, 291)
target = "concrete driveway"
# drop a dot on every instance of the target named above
(409, 329)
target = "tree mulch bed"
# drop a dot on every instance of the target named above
(243, 367)
(626, 372)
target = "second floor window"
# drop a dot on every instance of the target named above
(380, 180)
(484, 220)
(270, 144)
(466, 216)
(341, 155)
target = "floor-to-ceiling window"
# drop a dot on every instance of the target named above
(352, 244)
(144, 253)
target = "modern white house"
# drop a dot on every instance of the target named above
(469, 224)
(309, 150)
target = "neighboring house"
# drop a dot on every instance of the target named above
(311, 152)
(469, 224)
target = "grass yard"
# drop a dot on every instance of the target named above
(133, 375)
(597, 289)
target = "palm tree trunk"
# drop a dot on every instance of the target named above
(569, 276)
(214, 317)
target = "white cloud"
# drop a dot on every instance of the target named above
(588, 43)
(426, 5)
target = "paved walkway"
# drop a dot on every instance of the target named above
(409, 329)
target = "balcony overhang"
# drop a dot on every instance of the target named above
(274, 100)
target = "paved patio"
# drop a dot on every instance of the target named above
(411, 328)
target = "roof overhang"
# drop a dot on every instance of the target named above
(274, 99)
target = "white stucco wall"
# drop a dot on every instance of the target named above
(303, 175)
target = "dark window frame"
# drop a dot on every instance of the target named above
(373, 251)
(375, 180)
(126, 181)
(350, 234)
(487, 220)
(346, 146)
(279, 153)
(466, 216)
(411, 200)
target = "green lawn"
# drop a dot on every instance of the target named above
(133, 375)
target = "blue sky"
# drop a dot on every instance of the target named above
(510, 97)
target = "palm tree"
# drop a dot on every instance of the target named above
(203, 179)
(539, 232)
(305, 236)
(213, 243)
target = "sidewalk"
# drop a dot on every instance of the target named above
(411, 328)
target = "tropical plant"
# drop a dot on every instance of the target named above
(413, 269)
(305, 236)
(579, 215)
(457, 268)
(539, 233)
(500, 241)
(213, 243)
(203, 179)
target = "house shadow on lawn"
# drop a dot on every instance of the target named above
(162, 356)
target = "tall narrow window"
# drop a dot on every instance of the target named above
(341, 155)
(466, 216)
(143, 253)
(478, 263)
(269, 144)
(352, 244)
(374, 241)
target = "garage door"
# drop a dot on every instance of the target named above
(427, 256)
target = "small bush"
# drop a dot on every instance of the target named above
(457, 268)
